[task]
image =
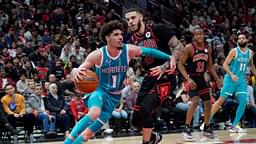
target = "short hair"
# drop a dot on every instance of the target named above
(8, 84)
(133, 10)
(109, 27)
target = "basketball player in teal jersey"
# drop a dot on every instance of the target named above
(111, 62)
(236, 65)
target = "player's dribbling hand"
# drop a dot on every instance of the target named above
(172, 66)
(77, 74)
(234, 77)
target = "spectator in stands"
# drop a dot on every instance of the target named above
(29, 70)
(5, 124)
(37, 107)
(52, 78)
(29, 90)
(78, 54)
(251, 106)
(21, 85)
(119, 115)
(45, 88)
(77, 107)
(58, 70)
(68, 86)
(4, 80)
(130, 93)
(56, 105)
(14, 106)
(10, 71)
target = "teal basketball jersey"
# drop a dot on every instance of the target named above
(240, 64)
(112, 71)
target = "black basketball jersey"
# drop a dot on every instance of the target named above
(152, 38)
(197, 63)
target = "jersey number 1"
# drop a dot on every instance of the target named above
(114, 78)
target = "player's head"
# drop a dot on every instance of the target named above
(242, 40)
(112, 34)
(134, 19)
(198, 34)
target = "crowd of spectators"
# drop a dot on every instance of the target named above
(42, 40)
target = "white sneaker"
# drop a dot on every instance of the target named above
(236, 129)
(202, 127)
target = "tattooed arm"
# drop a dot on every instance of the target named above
(176, 47)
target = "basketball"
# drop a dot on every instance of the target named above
(89, 82)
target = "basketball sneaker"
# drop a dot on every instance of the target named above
(155, 138)
(236, 129)
(208, 132)
(202, 127)
(187, 134)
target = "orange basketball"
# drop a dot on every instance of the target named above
(89, 82)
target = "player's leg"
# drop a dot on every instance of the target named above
(147, 84)
(189, 116)
(150, 102)
(108, 107)
(163, 88)
(242, 98)
(206, 98)
(187, 133)
(227, 89)
(94, 104)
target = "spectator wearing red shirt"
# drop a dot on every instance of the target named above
(77, 106)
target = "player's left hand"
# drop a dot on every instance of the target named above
(157, 71)
(172, 66)
(219, 83)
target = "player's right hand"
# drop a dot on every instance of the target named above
(192, 84)
(77, 74)
(234, 77)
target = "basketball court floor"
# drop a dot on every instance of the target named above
(223, 137)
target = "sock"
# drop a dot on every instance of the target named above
(240, 109)
(79, 139)
(96, 126)
(68, 141)
(79, 127)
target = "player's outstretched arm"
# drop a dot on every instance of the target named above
(176, 47)
(138, 51)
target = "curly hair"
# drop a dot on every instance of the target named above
(109, 27)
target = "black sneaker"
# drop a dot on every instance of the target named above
(187, 134)
(208, 132)
(155, 138)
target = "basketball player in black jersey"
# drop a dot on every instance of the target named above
(154, 88)
(197, 57)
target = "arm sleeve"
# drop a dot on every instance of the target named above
(154, 53)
